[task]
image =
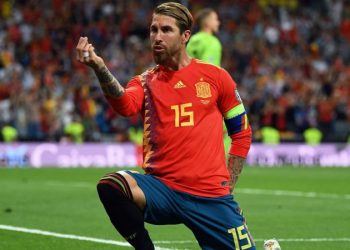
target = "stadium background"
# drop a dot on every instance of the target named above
(290, 60)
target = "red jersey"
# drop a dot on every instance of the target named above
(183, 115)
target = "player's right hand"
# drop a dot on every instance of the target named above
(86, 54)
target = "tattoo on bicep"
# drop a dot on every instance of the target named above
(235, 166)
(109, 85)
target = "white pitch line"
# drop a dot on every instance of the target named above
(238, 190)
(315, 240)
(125, 244)
(293, 193)
(261, 240)
(70, 236)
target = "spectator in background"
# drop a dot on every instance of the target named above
(9, 133)
(74, 131)
(204, 45)
(270, 135)
(312, 136)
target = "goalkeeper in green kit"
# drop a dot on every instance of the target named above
(204, 45)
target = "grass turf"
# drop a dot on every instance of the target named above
(65, 201)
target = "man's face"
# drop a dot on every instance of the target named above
(166, 39)
(212, 21)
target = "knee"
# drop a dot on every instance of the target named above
(113, 185)
(106, 193)
(103, 188)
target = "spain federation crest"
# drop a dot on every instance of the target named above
(203, 89)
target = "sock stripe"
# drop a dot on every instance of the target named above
(115, 179)
(111, 183)
(126, 184)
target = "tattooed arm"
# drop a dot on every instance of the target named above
(131, 99)
(235, 166)
(86, 55)
(110, 86)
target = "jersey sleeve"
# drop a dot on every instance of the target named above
(130, 103)
(235, 116)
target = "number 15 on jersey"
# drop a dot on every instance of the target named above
(184, 117)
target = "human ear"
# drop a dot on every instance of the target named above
(186, 36)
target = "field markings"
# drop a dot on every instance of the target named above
(315, 240)
(70, 236)
(237, 190)
(125, 244)
(292, 193)
(261, 240)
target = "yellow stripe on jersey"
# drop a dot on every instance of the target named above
(238, 110)
(246, 123)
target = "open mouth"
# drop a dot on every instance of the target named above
(158, 48)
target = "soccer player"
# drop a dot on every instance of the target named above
(183, 102)
(204, 45)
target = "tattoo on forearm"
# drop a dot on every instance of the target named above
(235, 166)
(109, 85)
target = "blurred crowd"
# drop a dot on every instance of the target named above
(290, 59)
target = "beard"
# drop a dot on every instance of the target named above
(160, 58)
(166, 56)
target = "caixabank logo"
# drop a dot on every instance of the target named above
(40, 155)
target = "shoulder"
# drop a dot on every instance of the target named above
(141, 78)
(150, 71)
(208, 66)
(199, 37)
(217, 73)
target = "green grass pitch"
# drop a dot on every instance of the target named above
(304, 208)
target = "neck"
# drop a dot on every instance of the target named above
(178, 62)
(207, 30)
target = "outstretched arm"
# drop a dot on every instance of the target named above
(86, 55)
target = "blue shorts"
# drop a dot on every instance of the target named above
(217, 223)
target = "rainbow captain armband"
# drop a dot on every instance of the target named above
(236, 119)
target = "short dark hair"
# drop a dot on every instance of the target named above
(182, 15)
(202, 15)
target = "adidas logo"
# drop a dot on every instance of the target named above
(179, 85)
